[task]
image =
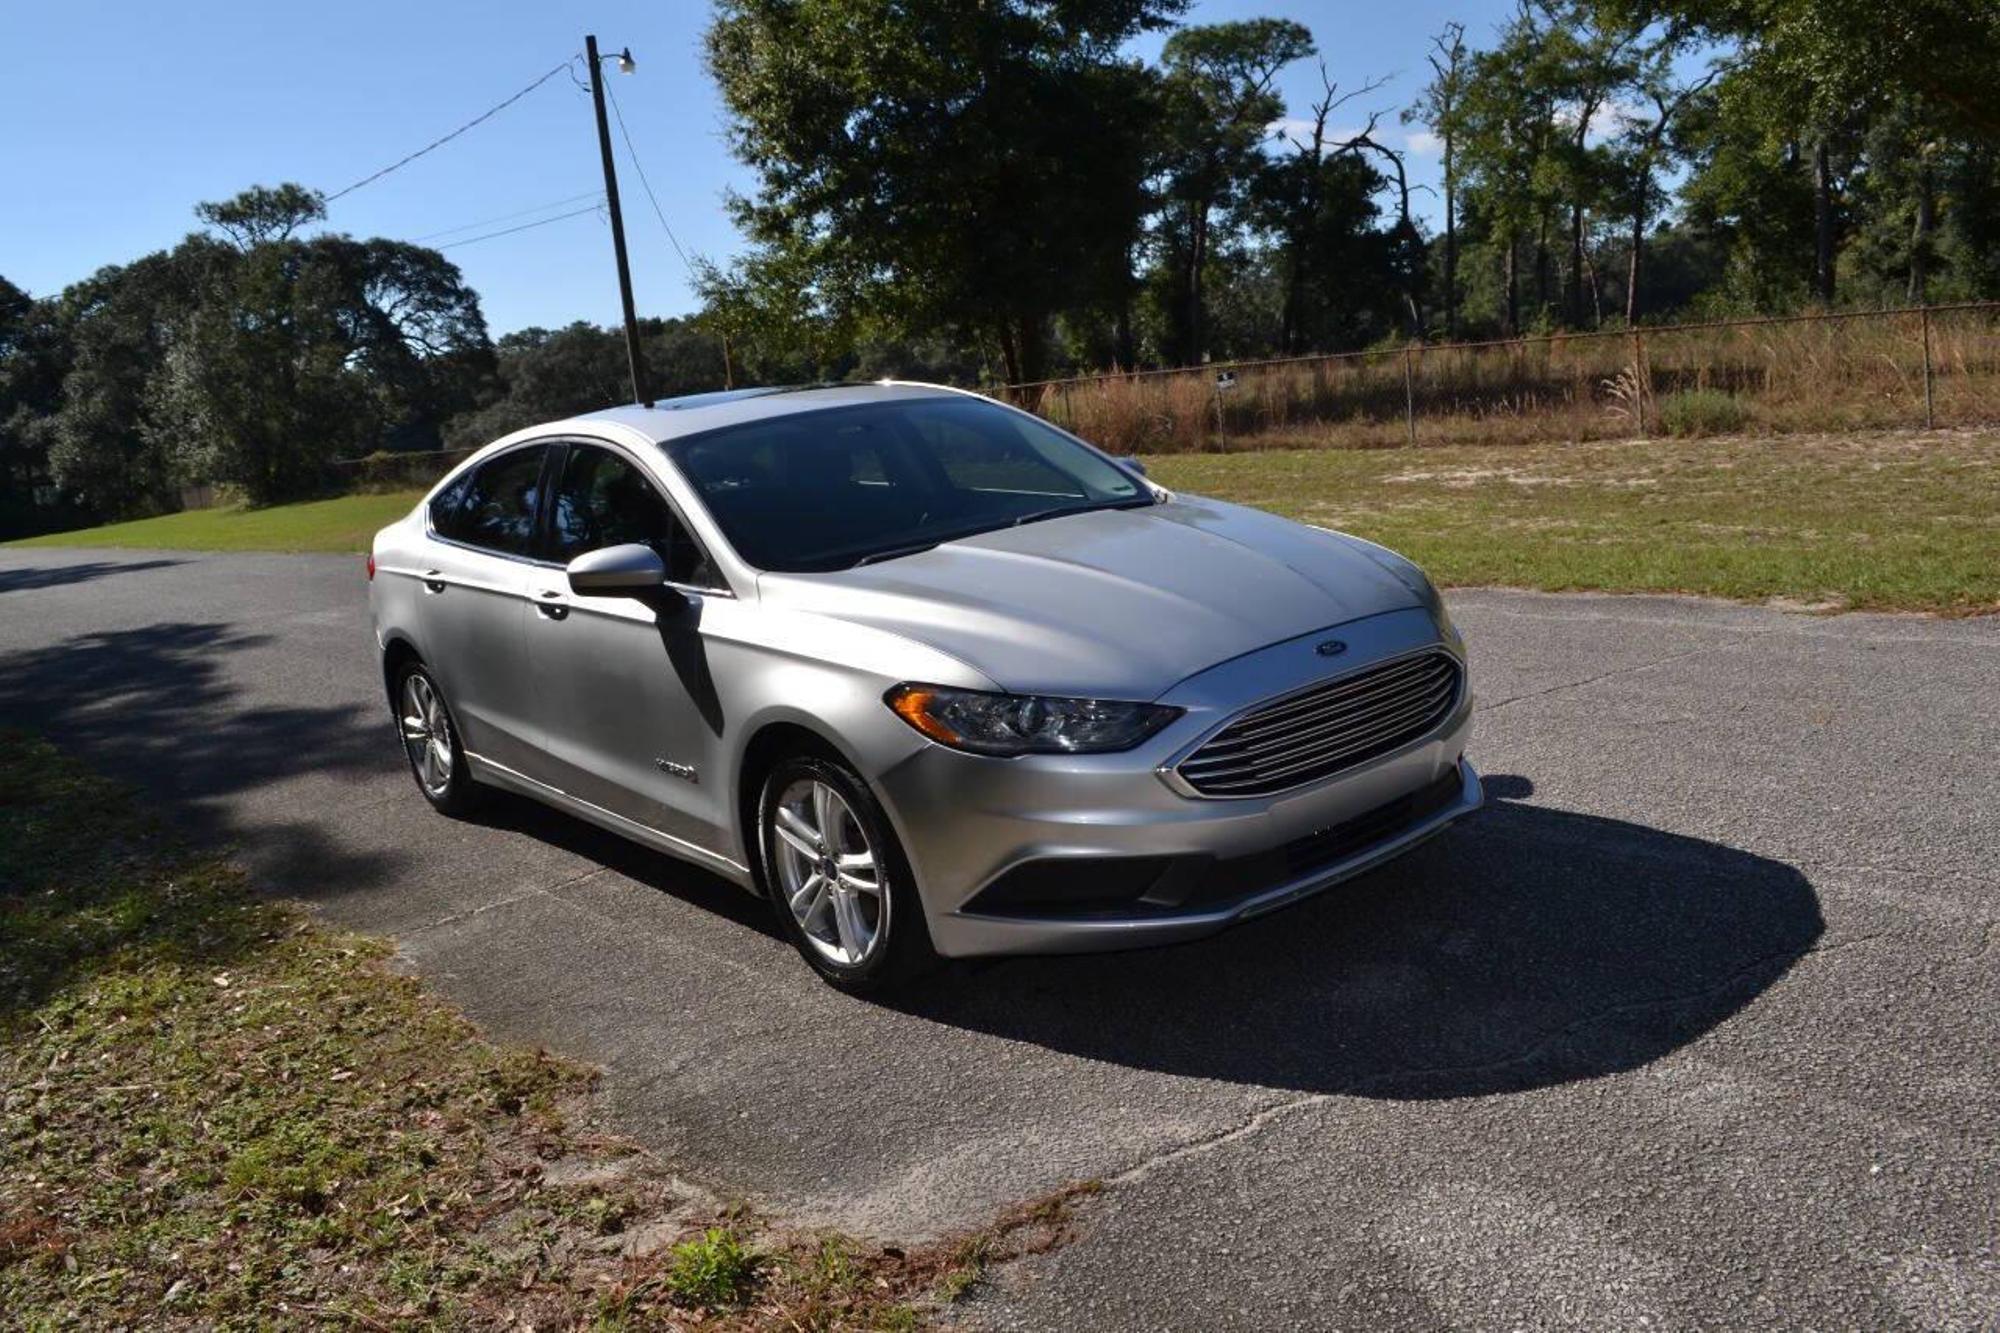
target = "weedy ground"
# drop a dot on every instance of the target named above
(216, 1112)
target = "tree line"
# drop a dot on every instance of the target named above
(1008, 179)
(1004, 192)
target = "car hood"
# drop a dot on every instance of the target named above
(1113, 603)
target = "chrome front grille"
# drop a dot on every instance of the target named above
(1320, 731)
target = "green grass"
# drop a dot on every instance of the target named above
(215, 1112)
(345, 524)
(1904, 521)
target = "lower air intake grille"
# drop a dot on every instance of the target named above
(1320, 731)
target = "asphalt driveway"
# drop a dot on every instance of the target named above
(1697, 1024)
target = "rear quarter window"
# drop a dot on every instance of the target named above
(493, 506)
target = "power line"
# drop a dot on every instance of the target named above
(633, 153)
(506, 217)
(439, 143)
(525, 226)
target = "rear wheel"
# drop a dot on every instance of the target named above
(836, 875)
(430, 742)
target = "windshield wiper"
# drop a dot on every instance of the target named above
(891, 552)
(1054, 511)
(1057, 511)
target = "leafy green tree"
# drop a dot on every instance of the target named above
(33, 359)
(550, 374)
(1508, 122)
(1218, 101)
(298, 351)
(1750, 191)
(1829, 55)
(115, 328)
(1646, 148)
(932, 165)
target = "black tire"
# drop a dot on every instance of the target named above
(906, 953)
(457, 795)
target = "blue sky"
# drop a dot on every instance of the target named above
(121, 116)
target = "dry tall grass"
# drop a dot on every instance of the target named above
(1818, 374)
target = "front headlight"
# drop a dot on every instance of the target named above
(1011, 724)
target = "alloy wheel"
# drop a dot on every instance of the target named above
(830, 875)
(427, 734)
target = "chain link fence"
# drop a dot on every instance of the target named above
(1924, 366)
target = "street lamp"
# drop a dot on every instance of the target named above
(625, 66)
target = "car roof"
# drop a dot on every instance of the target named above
(671, 418)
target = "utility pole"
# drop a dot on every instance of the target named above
(639, 394)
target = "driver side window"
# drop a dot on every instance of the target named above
(604, 500)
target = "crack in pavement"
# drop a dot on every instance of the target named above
(1497, 705)
(542, 891)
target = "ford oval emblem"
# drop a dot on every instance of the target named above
(1331, 648)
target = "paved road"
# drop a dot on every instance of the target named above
(1698, 1024)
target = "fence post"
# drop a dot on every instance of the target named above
(1410, 393)
(1642, 382)
(1930, 417)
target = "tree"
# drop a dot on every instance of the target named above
(1339, 286)
(1831, 54)
(296, 351)
(262, 215)
(1749, 193)
(116, 328)
(551, 374)
(33, 358)
(1582, 63)
(1508, 120)
(1219, 99)
(931, 165)
(1645, 148)
(1440, 108)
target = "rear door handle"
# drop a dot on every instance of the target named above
(432, 583)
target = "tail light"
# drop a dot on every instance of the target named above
(371, 566)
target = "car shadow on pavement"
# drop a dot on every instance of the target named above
(679, 879)
(1525, 947)
(57, 576)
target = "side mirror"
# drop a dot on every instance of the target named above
(1135, 465)
(631, 570)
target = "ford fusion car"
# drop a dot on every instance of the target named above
(933, 676)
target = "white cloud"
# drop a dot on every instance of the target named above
(1423, 143)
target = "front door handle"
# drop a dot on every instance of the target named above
(551, 606)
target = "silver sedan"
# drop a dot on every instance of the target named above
(933, 676)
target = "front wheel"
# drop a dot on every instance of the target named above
(837, 876)
(430, 742)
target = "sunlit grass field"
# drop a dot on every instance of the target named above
(1902, 521)
(345, 524)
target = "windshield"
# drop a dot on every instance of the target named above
(827, 490)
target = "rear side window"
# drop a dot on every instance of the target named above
(494, 505)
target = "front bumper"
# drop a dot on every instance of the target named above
(966, 822)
